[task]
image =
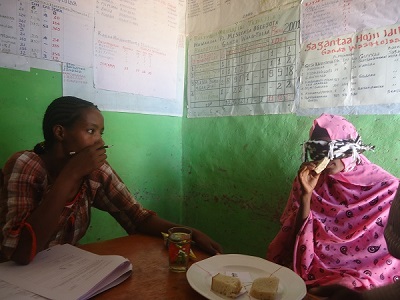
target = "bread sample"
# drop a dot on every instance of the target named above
(322, 165)
(226, 285)
(265, 288)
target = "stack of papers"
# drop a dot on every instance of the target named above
(63, 272)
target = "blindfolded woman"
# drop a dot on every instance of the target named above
(333, 224)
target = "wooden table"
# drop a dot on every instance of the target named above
(151, 278)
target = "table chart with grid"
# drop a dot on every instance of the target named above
(244, 78)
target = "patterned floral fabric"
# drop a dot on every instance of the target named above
(342, 240)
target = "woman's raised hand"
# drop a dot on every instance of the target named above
(88, 159)
(308, 177)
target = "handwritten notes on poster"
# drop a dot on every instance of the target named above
(48, 29)
(351, 70)
(205, 16)
(136, 47)
(327, 18)
(246, 69)
(78, 81)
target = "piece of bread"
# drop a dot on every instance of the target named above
(226, 285)
(322, 165)
(265, 288)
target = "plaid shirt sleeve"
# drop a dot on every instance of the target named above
(23, 182)
(112, 195)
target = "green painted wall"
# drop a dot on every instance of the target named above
(229, 177)
(238, 171)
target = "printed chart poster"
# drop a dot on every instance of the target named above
(246, 69)
(351, 70)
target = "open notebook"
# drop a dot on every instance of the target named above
(65, 272)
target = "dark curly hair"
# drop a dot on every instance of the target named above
(64, 111)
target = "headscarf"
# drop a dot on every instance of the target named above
(345, 142)
(342, 239)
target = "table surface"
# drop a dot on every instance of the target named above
(151, 277)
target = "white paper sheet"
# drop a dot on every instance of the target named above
(274, 4)
(66, 272)
(10, 291)
(209, 15)
(16, 62)
(78, 81)
(136, 47)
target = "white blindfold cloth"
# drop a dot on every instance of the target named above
(318, 149)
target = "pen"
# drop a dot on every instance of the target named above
(104, 147)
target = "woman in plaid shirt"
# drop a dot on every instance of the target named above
(47, 193)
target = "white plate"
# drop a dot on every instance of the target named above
(291, 286)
